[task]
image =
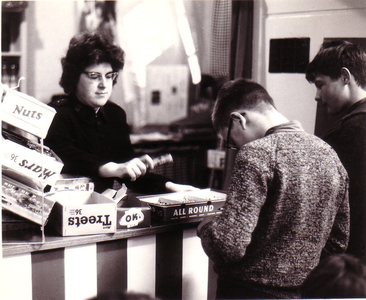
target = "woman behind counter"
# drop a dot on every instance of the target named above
(90, 133)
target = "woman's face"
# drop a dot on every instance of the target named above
(95, 85)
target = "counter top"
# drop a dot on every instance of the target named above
(56, 241)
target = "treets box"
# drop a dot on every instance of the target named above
(82, 213)
(185, 205)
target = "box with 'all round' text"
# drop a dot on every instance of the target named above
(179, 206)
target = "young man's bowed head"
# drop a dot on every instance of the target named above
(287, 203)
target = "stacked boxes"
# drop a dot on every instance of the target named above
(25, 201)
(27, 165)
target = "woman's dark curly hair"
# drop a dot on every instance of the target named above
(84, 50)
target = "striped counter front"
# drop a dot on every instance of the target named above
(164, 261)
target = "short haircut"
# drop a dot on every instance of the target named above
(84, 50)
(335, 55)
(337, 276)
(236, 95)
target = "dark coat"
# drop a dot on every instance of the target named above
(85, 140)
(349, 141)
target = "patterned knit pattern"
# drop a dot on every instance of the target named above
(287, 205)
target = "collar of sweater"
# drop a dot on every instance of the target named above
(88, 114)
(289, 126)
(358, 107)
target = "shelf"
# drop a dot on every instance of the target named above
(13, 43)
(54, 241)
(14, 6)
(11, 54)
(10, 65)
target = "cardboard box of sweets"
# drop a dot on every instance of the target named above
(185, 205)
(33, 162)
(81, 211)
(25, 201)
(131, 212)
(133, 217)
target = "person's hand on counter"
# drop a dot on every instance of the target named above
(133, 168)
(175, 187)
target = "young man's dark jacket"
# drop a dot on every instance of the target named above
(349, 141)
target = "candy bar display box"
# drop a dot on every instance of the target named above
(185, 205)
(81, 211)
(25, 201)
(131, 212)
(133, 217)
(30, 163)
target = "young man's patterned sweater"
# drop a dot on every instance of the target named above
(287, 205)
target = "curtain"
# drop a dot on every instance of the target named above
(241, 55)
(220, 44)
(241, 52)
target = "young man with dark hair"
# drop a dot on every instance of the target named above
(339, 74)
(287, 203)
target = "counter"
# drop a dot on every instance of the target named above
(166, 261)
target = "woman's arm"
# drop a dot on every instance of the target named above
(134, 168)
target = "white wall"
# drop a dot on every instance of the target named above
(316, 19)
(51, 24)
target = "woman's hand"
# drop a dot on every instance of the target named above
(133, 168)
(175, 187)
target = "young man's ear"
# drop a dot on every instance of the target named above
(346, 75)
(240, 117)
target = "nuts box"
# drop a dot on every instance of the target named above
(27, 113)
